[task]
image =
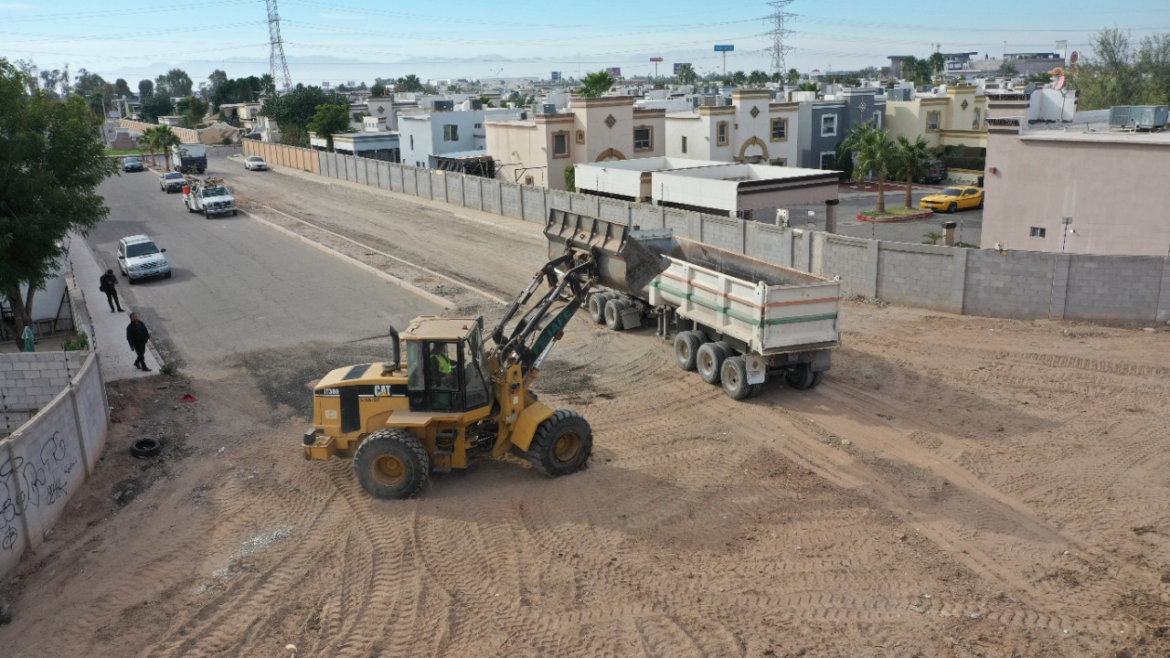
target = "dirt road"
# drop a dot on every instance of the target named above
(957, 487)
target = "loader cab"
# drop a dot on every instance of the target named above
(446, 365)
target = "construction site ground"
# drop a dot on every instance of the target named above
(958, 486)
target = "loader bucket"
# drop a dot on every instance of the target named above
(627, 261)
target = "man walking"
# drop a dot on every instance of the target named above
(109, 285)
(137, 335)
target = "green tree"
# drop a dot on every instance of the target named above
(1008, 69)
(378, 90)
(214, 81)
(793, 77)
(239, 90)
(913, 158)
(87, 83)
(409, 83)
(173, 83)
(595, 84)
(52, 166)
(937, 63)
(758, 78)
(156, 140)
(121, 88)
(873, 153)
(571, 178)
(153, 107)
(267, 84)
(739, 78)
(687, 75)
(55, 82)
(145, 88)
(328, 120)
(808, 85)
(193, 110)
(1120, 73)
(294, 110)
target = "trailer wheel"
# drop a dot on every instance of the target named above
(562, 444)
(613, 313)
(709, 361)
(803, 378)
(734, 378)
(597, 302)
(686, 347)
(755, 391)
(391, 464)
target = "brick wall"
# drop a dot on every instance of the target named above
(1013, 285)
(915, 275)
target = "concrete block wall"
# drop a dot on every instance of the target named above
(613, 210)
(915, 275)
(46, 461)
(646, 216)
(585, 204)
(438, 186)
(1108, 288)
(850, 259)
(677, 221)
(723, 232)
(769, 243)
(535, 203)
(473, 192)
(31, 380)
(454, 189)
(510, 200)
(491, 197)
(1017, 284)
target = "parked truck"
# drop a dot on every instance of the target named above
(737, 320)
(189, 157)
(210, 197)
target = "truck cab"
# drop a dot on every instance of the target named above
(210, 197)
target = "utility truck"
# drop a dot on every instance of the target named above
(737, 320)
(210, 197)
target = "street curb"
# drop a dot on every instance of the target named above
(907, 218)
(357, 263)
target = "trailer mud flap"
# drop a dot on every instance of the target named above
(757, 369)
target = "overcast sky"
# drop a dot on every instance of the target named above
(343, 40)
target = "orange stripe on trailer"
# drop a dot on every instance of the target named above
(713, 291)
(804, 301)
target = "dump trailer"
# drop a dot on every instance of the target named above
(189, 157)
(737, 320)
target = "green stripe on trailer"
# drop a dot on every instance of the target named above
(737, 315)
(803, 318)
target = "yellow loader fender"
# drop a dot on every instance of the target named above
(530, 419)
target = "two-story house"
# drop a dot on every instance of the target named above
(752, 129)
(536, 149)
(824, 123)
(956, 115)
(423, 135)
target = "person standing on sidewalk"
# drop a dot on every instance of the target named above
(137, 335)
(109, 285)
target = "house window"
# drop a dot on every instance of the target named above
(561, 144)
(450, 133)
(829, 125)
(1038, 232)
(478, 126)
(975, 121)
(779, 130)
(528, 180)
(643, 138)
(779, 162)
(932, 120)
(721, 133)
(684, 144)
(877, 119)
(580, 136)
(829, 160)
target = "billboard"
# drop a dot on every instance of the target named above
(725, 49)
(678, 66)
(325, 84)
(655, 59)
(615, 71)
(556, 75)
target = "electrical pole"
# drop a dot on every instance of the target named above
(779, 33)
(277, 64)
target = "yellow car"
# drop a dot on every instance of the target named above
(952, 199)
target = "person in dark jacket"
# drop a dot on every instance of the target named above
(137, 335)
(109, 285)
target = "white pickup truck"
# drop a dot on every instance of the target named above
(210, 198)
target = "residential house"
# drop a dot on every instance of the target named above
(955, 116)
(536, 149)
(1033, 63)
(752, 128)
(424, 135)
(824, 123)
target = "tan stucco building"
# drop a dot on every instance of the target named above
(536, 150)
(1076, 188)
(956, 118)
(752, 129)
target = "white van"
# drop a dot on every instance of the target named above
(138, 258)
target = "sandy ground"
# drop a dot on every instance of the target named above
(957, 487)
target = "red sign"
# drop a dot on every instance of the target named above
(656, 59)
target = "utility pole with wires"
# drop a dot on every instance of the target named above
(277, 64)
(779, 33)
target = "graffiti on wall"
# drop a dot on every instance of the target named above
(40, 482)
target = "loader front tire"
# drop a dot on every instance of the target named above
(686, 347)
(391, 464)
(562, 444)
(597, 304)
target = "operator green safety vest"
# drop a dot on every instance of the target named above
(443, 364)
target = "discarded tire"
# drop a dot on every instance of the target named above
(143, 448)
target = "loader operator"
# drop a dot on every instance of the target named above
(442, 372)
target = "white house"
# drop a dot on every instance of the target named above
(424, 135)
(752, 129)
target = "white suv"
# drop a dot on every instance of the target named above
(138, 258)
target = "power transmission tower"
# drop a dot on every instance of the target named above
(778, 49)
(277, 65)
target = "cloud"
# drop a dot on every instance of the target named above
(14, 5)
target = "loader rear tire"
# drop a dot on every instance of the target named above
(733, 375)
(613, 313)
(686, 349)
(803, 378)
(597, 304)
(709, 361)
(391, 464)
(562, 444)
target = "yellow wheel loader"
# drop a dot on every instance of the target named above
(458, 396)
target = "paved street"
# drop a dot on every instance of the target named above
(238, 285)
(969, 230)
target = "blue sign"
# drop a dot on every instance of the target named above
(556, 75)
(678, 66)
(724, 49)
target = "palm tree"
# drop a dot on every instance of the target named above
(757, 78)
(162, 139)
(146, 142)
(874, 153)
(596, 84)
(687, 75)
(937, 62)
(793, 76)
(808, 86)
(913, 158)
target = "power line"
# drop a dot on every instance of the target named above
(779, 48)
(277, 64)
